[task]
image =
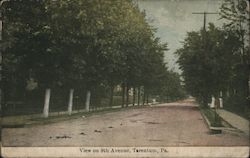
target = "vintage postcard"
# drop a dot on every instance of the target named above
(125, 78)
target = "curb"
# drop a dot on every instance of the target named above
(211, 128)
(217, 130)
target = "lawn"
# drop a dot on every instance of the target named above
(214, 119)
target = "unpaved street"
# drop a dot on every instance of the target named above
(175, 124)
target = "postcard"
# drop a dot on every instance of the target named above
(125, 78)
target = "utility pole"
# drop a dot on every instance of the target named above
(204, 17)
(204, 46)
(204, 23)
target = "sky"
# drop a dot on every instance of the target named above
(174, 18)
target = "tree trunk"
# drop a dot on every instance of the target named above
(46, 103)
(123, 94)
(87, 103)
(70, 104)
(127, 95)
(144, 97)
(147, 98)
(133, 96)
(139, 94)
(111, 95)
(1, 95)
(248, 95)
(205, 100)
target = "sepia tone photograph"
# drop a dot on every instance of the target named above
(125, 78)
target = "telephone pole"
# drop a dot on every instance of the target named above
(204, 23)
(204, 17)
(204, 40)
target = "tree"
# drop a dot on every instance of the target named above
(237, 14)
(29, 45)
(82, 45)
(208, 71)
(171, 88)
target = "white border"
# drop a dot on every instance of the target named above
(217, 152)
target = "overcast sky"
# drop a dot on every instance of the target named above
(173, 18)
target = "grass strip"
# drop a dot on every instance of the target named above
(26, 120)
(212, 116)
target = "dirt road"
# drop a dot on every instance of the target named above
(174, 124)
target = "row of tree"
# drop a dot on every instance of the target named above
(216, 61)
(80, 45)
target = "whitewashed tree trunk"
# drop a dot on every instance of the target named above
(221, 102)
(70, 104)
(212, 105)
(87, 103)
(46, 103)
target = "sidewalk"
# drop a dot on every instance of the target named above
(235, 120)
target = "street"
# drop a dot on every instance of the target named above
(172, 124)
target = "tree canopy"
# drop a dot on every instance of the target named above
(80, 44)
(209, 69)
